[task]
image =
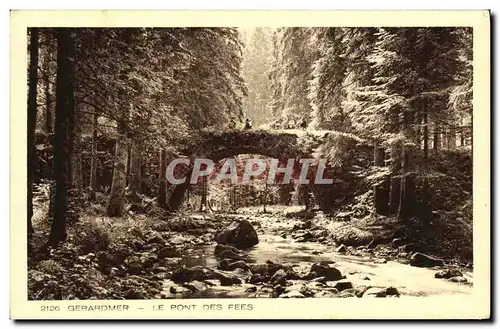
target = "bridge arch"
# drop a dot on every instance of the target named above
(274, 144)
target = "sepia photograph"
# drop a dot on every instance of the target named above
(254, 162)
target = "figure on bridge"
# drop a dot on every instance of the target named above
(303, 124)
(232, 124)
(248, 124)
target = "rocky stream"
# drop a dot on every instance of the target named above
(285, 263)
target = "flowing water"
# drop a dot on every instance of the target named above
(413, 281)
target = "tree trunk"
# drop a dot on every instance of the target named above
(62, 139)
(116, 201)
(32, 95)
(264, 199)
(235, 198)
(177, 196)
(407, 198)
(425, 210)
(203, 203)
(436, 141)
(452, 139)
(395, 181)
(76, 156)
(162, 186)
(48, 86)
(93, 158)
(381, 190)
(135, 171)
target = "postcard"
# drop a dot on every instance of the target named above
(250, 164)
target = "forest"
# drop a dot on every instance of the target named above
(390, 109)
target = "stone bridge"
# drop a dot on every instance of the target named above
(349, 152)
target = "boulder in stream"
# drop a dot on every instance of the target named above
(257, 278)
(240, 234)
(238, 264)
(279, 277)
(343, 285)
(448, 273)
(342, 248)
(458, 279)
(196, 286)
(375, 292)
(223, 247)
(184, 274)
(292, 294)
(229, 254)
(324, 270)
(228, 279)
(168, 252)
(422, 260)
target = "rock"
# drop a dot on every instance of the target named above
(251, 289)
(307, 291)
(458, 279)
(179, 239)
(412, 247)
(278, 289)
(134, 264)
(361, 290)
(375, 292)
(298, 227)
(290, 273)
(157, 238)
(257, 278)
(392, 291)
(212, 282)
(325, 294)
(168, 252)
(229, 254)
(348, 293)
(397, 242)
(272, 268)
(178, 290)
(315, 285)
(279, 277)
(283, 235)
(303, 236)
(162, 276)
(227, 279)
(240, 234)
(258, 268)
(343, 285)
(196, 286)
(184, 274)
(321, 279)
(292, 294)
(342, 248)
(422, 260)
(469, 266)
(380, 261)
(113, 271)
(238, 264)
(448, 273)
(222, 247)
(224, 264)
(153, 247)
(330, 273)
